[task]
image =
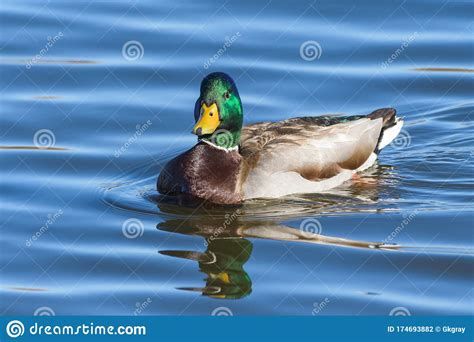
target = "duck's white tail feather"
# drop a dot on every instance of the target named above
(389, 134)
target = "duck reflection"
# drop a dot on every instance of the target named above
(223, 263)
(226, 231)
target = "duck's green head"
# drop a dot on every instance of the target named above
(218, 111)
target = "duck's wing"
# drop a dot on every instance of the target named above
(302, 145)
(309, 149)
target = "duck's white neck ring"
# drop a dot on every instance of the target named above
(235, 148)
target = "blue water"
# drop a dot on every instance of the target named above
(88, 119)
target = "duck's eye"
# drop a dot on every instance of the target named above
(227, 95)
(211, 113)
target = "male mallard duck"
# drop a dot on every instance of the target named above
(230, 164)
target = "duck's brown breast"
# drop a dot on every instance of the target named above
(204, 172)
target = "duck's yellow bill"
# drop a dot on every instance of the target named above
(208, 121)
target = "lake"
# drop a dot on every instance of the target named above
(98, 96)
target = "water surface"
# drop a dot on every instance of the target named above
(87, 123)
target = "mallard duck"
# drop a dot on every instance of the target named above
(231, 164)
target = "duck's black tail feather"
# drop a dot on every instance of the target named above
(387, 114)
(391, 126)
